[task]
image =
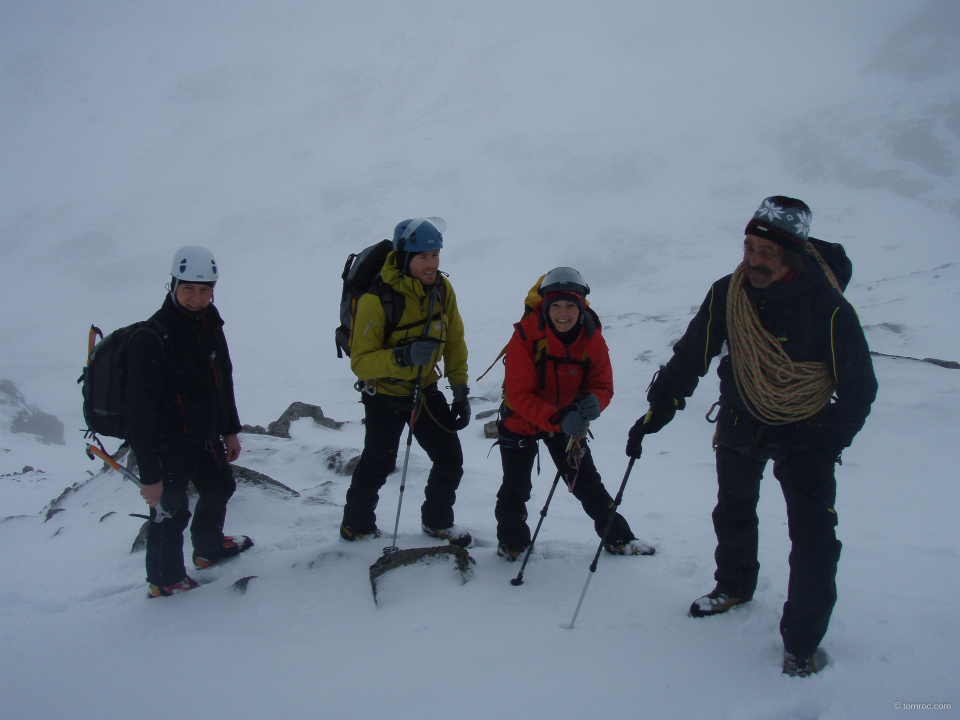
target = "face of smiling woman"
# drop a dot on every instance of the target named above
(563, 314)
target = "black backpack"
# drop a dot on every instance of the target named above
(836, 258)
(361, 274)
(105, 375)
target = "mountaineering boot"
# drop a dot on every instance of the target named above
(188, 583)
(452, 534)
(508, 554)
(231, 546)
(631, 547)
(803, 665)
(348, 533)
(715, 603)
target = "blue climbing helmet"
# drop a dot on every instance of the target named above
(419, 235)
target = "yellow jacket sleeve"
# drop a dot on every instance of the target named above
(455, 349)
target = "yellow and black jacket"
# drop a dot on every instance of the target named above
(371, 356)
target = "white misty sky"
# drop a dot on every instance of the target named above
(631, 140)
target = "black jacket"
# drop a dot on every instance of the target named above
(813, 322)
(179, 388)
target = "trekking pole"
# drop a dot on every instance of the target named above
(518, 580)
(105, 456)
(606, 531)
(406, 459)
(413, 416)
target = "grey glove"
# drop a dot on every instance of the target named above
(419, 352)
(574, 424)
(589, 406)
(460, 407)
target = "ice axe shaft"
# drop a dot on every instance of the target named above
(93, 450)
(603, 540)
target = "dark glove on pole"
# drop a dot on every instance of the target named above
(419, 352)
(656, 418)
(574, 424)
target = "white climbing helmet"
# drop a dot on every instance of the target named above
(193, 264)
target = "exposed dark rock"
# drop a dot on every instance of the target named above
(246, 476)
(51, 512)
(55, 505)
(949, 364)
(241, 585)
(322, 496)
(281, 426)
(341, 461)
(140, 543)
(490, 429)
(30, 419)
(14, 396)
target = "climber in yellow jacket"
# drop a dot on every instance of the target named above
(404, 326)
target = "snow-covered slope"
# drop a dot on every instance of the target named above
(630, 140)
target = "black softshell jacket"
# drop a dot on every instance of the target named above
(813, 322)
(179, 388)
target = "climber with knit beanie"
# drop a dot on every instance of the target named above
(796, 385)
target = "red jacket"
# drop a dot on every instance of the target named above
(543, 375)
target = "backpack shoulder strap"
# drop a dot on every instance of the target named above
(392, 302)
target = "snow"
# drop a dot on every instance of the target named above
(632, 141)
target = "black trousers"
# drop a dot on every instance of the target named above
(386, 417)
(205, 465)
(810, 489)
(517, 454)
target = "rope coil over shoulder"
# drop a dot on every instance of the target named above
(777, 390)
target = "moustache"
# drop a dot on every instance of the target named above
(761, 270)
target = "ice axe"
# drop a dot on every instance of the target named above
(93, 451)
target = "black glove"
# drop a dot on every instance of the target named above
(658, 416)
(665, 396)
(573, 423)
(419, 352)
(589, 406)
(460, 407)
(634, 439)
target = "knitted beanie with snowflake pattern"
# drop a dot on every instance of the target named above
(783, 220)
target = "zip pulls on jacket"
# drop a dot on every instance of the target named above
(213, 368)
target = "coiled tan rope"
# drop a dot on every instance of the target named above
(778, 390)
